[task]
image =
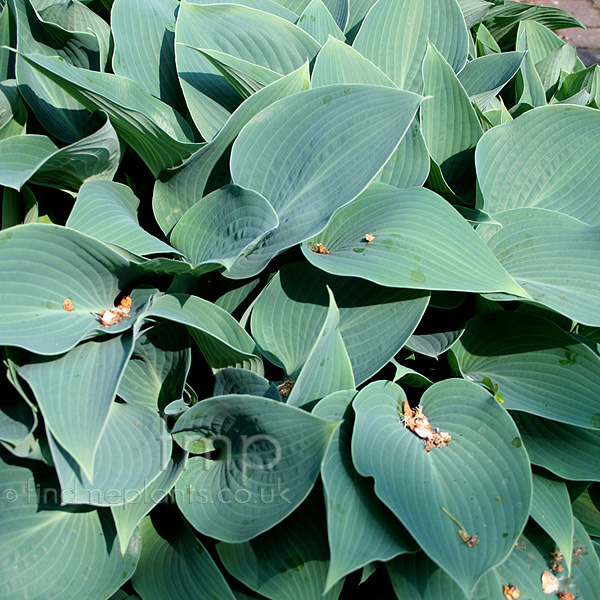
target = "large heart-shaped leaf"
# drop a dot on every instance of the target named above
(62, 115)
(481, 479)
(394, 36)
(152, 128)
(174, 564)
(327, 368)
(179, 190)
(309, 167)
(41, 266)
(36, 158)
(75, 392)
(291, 310)
(268, 456)
(538, 368)
(419, 242)
(129, 515)
(339, 63)
(222, 340)
(107, 211)
(569, 452)
(132, 452)
(150, 25)
(223, 227)
(518, 165)
(551, 509)
(319, 22)
(554, 257)
(360, 529)
(158, 368)
(253, 35)
(13, 114)
(289, 562)
(64, 541)
(449, 123)
(240, 381)
(484, 77)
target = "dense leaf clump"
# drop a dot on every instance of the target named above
(298, 296)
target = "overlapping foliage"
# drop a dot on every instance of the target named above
(241, 242)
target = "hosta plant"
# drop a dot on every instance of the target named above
(298, 300)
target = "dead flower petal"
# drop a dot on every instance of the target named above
(369, 237)
(68, 305)
(564, 595)
(550, 583)
(511, 592)
(320, 249)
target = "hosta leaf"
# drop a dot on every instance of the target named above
(233, 298)
(433, 344)
(36, 158)
(554, 257)
(174, 564)
(13, 114)
(482, 477)
(66, 542)
(339, 63)
(357, 9)
(268, 459)
(394, 36)
(317, 21)
(420, 242)
(563, 59)
(420, 579)
(247, 33)
(484, 77)
(327, 368)
(150, 25)
(179, 190)
(153, 129)
(129, 515)
(538, 368)
(474, 11)
(132, 452)
(288, 562)
(569, 452)
(448, 121)
(502, 20)
(62, 115)
(43, 265)
(360, 529)
(290, 312)
(7, 39)
(279, 8)
(537, 39)
(340, 10)
(551, 509)
(77, 17)
(223, 226)
(158, 368)
(246, 77)
(75, 392)
(107, 211)
(518, 166)
(587, 510)
(588, 79)
(17, 419)
(308, 168)
(219, 336)
(240, 381)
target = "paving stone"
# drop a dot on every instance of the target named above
(589, 56)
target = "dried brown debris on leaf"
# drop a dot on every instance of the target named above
(320, 249)
(285, 388)
(117, 314)
(557, 560)
(418, 423)
(564, 595)
(369, 237)
(550, 583)
(469, 540)
(511, 592)
(68, 305)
